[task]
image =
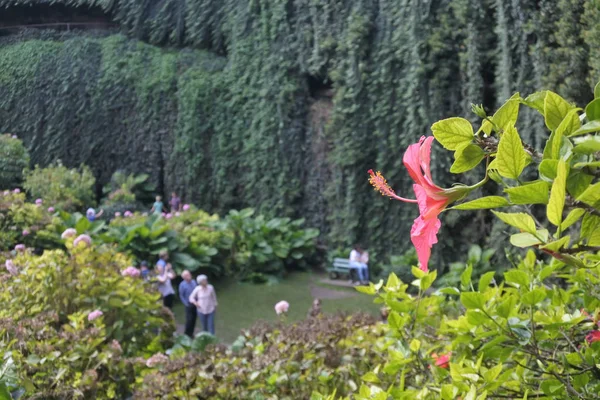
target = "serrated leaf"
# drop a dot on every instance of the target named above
(472, 300)
(556, 204)
(517, 277)
(466, 158)
(532, 193)
(483, 203)
(590, 127)
(511, 158)
(526, 239)
(521, 221)
(578, 182)
(453, 132)
(591, 196)
(534, 297)
(588, 146)
(572, 217)
(555, 110)
(547, 169)
(536, 101)
(557, 244)
(506, 115)
(592, 110)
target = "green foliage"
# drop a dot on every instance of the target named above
(127, 189)
(477, 264)
(61, 187)
(14, 158)
(46, 331)
(288, 362)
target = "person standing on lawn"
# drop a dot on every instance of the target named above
(164, 274)
(175, 203)
(186, 287)
(205, 300)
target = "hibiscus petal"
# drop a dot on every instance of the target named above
(423, 236)
(428, 207)
(425, 156)
(412, 161)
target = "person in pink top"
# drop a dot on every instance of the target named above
(205, 300)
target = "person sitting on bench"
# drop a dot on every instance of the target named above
(358, 261)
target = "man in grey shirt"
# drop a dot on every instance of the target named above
(186, 287)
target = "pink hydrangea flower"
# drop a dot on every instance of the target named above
(163, 215)
(158, 358)
(39, 202)
(117, 214)
(186, 207)
(169, 216)
(17, 190)
(51, 210)
(282, 307)
(128, 214)
(131, 271)
(178, 214)
(25, 232)
(68, 233)
(95, 314)
(432, 199)
(10, 266)
(82, 239)
(6, 193)
(20, 248)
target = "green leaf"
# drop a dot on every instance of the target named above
(526, 239)
(590, 229)
(593, 164)
(472, 300)
(555, 110)
(485, 280)
(556, 204)
(521, 221)
(532, 193)
(415, 345)
(590, 127)
(517, 277)
(466, 157)
(557, 244)
(4, 393)
(507, 307)
(453, 132)
(465, 277)
(592, 110)
(557, 139)
(547, 169)
(426, 281)
(588, 146)
(483, 203)
(506, 116)
(578, 182)
(418, 272)
(591, 196)
(476, 317)
(511, 158)
(534, 297)
(597, 91)
(536, 101)
(393, 281)
(572, 217)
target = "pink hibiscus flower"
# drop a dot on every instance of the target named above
(431, 198)
(442, 361)
(592, 337)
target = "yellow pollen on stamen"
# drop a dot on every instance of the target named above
(380, 184)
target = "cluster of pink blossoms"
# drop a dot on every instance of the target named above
(94, 314)
(157, 359)
(282, 307)
(82, 239)
(131, 271)
(20, 248)
(10, 267)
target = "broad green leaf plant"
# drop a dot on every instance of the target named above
(532, 333)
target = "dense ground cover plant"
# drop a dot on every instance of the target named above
(14, 159)
(72, 323)
(284, 362)
(535, 332)
(61, 187)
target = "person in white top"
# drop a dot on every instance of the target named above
(359, 260)
(205, 300)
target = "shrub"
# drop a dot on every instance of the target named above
(60, 187)
(59, 347)
(14, 158)
(285, 362)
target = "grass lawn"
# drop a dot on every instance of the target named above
(242, 304)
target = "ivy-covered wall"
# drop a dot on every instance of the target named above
(285, 104)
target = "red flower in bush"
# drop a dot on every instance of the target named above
(442, 361)
(593, 336)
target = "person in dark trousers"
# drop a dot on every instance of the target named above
(186, 287)
(164, 275)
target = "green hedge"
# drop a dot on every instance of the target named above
(253, 125)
